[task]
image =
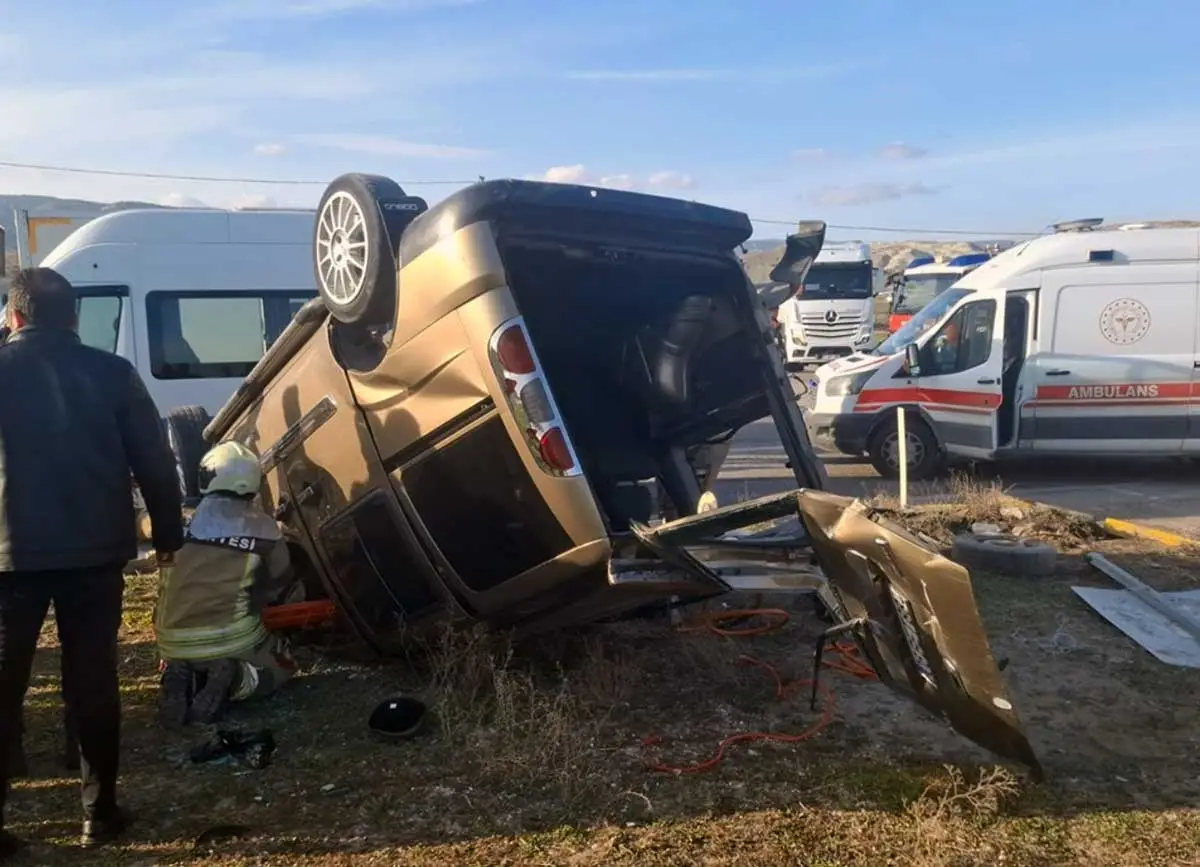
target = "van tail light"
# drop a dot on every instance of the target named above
(529, 397)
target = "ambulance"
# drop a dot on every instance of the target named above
(1078, 342)
(926, 279)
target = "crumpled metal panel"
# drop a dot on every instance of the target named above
(925, 637)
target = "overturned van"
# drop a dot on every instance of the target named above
(491, 398)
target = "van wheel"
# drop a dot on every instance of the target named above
(356, 241)
(185, 433)
(924, 455)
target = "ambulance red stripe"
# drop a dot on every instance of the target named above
(915, 394)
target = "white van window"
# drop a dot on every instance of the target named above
(99, 313)
(100, 321)
(215, 335)
(963, 342)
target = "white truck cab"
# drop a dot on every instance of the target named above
(832, 313)
(192, 297)
(1084, 341)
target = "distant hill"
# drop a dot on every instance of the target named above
(894, 255)
(52, 206)
(889, 255)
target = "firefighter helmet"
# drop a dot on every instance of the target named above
(230, 468)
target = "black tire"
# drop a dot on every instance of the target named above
(356, 239)
(185, 433)
(924, 453)
(1004, 554)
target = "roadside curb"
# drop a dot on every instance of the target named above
(1114, 526)
(1128, 529)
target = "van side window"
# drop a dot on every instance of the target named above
(99, 321)
(214, 335)
(99, 314)
(963, 342)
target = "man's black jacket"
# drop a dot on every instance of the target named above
(74, 422)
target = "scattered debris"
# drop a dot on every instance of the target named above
(208, 838)
(254, 749)
(398, 718)
(1165, 624)
(973, 507)
(1004, 554)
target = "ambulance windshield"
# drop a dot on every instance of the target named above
(929, 316)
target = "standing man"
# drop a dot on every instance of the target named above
(74, 423)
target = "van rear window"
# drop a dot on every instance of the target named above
(215, 335)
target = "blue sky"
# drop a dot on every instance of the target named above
(941, 115)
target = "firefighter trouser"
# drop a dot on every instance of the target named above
(264, 670)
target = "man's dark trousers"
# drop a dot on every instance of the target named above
(87, 606)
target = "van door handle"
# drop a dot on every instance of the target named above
(986, 381)
(1058, 373)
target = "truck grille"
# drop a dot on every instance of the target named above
(816, 328)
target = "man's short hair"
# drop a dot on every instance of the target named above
(43, 298)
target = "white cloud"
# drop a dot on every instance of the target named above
(567, 175)
(867, 193)
(389, 147)
(252, 200)
(618, 182)
(671, 180)
(1130, 138)
(179, 200)
(579, 174)
(276, 9)
(707, 74)
(902, 151)
(812, 154)
(269, 149)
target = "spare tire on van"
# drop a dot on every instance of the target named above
(185, 434)
(356, 242)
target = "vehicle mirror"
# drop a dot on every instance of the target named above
(912, 359)
(773, 295)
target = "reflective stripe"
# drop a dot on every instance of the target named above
(208, 643)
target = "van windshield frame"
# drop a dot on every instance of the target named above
(929, 316)
(95, 338)
(920, 290)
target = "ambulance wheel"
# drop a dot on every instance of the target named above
(924, 454)
(356, 239)
(185, 434)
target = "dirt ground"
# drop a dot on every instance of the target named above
(544, 754)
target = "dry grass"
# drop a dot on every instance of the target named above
(966, 500)
(535, 756)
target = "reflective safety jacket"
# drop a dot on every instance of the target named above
(210, 601)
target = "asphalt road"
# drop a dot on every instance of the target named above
(1162, 493)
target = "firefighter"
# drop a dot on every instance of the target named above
(208, 618)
